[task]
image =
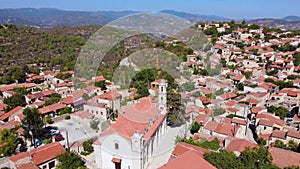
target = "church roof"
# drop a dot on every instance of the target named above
(137, 117)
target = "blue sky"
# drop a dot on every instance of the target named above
(236, 9)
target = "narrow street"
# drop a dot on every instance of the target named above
(162, 153)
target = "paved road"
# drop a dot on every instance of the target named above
(162, 154)
(77, 132)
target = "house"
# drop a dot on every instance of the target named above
(283, 158)
(9, 116)
(266, 123)
(239, 145)
(51, 110)
(42, 157)
(132, 146)
(293, 135)
(183, 147)
(111, 98)
(100, 110)
(278, 135)
(189, 159)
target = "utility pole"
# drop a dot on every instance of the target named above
(67, 136)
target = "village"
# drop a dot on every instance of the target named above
(253, 101)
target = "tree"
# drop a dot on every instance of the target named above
(224, 160)
(87, 146)
(54, 98)
(248, 75)
(279, 111)
(188, 86)
(70, 160)
(256, 158)
(32, 122)
(9, 141)
(293, 146)
(66, 110)
(278, 144)
(261, 142)
(240, 86)
(94, 124)
(101, 84)
(195, 127)
(18, 99)
(218, 111)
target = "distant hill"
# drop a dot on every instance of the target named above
(195, 17)
(277, 23)
(291, 18)
(49, 17)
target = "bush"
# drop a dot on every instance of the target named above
(49, 119)
(195, 127)
(94, 124)
(68, 117)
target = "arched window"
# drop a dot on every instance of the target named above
(116, 146)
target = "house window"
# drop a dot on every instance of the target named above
(52, 164)
(161, 89)
(45, 167)
(265, 127)
(116, 146)
(101, 113)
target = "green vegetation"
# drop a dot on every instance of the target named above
(54, 98)
(70, 160)
(251, 158)
(280, 83)
(211, 145)
(279, 111)
(9, 141)
(195, 127)
(87, 146)
(234, 115)
(66, 110)
(63, 76)
(94, 124)
(18, 99)
(32, 122)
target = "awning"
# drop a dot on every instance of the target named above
(116, 160)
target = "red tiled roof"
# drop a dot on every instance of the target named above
(111, 95)
(3, 106)
(271, 118)
(293, 133)
(278, 134)
(211, 125)
(238, 121)
(41, 154)
(240, 145)
(228, 95)
(27, 166)
(183, 147)
(10, 113)
(265, 122)
(202, 119)
(51, 108)
(190, 159)
(227, 129)
(283, 158)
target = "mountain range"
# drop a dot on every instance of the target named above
(51, 17)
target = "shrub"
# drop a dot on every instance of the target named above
(68, 117)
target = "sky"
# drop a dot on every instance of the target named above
(235, 9)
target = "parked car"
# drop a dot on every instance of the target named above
(54, 132)
(58, 137)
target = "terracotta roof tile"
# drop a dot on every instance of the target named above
(189, 159)
(240, 145)
(283, 158)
